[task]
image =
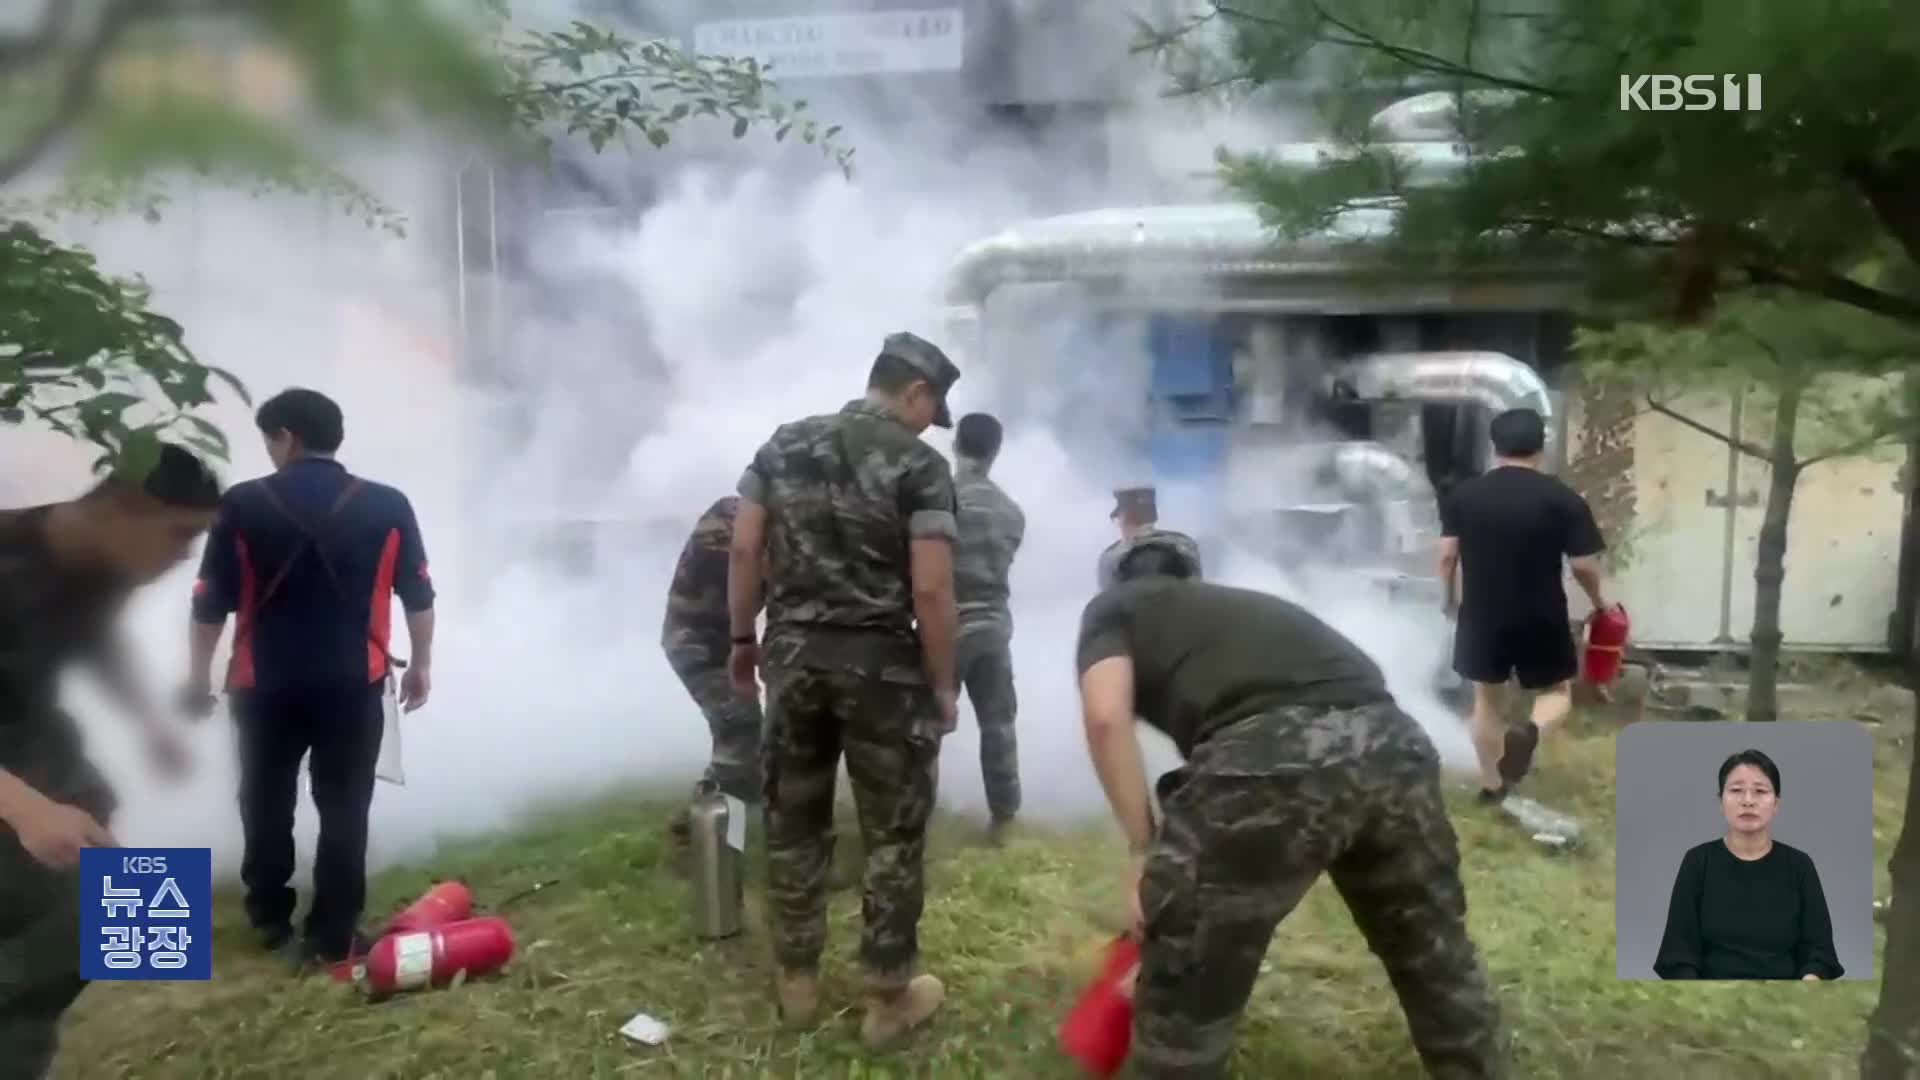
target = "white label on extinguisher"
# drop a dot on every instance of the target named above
(736, 824)
(412, 961)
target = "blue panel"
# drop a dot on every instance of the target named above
(1192, 374)
(1180, 349)
(1191, 386)
(1189, 467)
(1188, 451)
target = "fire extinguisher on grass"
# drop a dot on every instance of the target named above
(447, 902)
(417, 959)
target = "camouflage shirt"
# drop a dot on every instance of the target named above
(695, 630)
(50, 615)
(991, 526)
(844, 493)
(1110, 558)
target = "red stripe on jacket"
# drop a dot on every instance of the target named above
(240, 675)
(380, 613)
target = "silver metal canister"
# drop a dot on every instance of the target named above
(718, 884)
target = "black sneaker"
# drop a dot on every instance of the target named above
(314, 958)
(1492, 796)
(274, 938)
(999, 830)
(1517, 758)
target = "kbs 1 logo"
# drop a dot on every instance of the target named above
(146, 913)
(1690, 93)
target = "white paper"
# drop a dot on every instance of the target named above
(736, 823)
(389, 766)
(645, 1029)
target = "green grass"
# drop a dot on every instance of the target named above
(1012, 931)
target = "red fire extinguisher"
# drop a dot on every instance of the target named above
(1098, 1032)
(1606, 645)
(422, 958)
(447, 902)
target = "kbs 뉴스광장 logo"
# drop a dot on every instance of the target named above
(146, 914)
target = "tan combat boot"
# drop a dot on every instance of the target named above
(893, 1014)
(799, 994)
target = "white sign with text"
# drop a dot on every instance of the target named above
(827, 46)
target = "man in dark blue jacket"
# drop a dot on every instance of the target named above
(307, 560)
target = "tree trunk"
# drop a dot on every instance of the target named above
(1893, 1032)
(1770, 564)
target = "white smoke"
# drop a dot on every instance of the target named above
(765, 298)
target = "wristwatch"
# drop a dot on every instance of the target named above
(747, 639)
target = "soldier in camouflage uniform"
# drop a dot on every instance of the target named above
(991, 528)
(1134, 510)
(66, 570)
(855, 515)
(1297, 761)
(694, 636)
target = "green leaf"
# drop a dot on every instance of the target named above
(115, 402)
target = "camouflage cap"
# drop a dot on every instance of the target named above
(926, 358)
(1180, 554)
(1136, 503)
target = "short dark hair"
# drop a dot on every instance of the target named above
(977, 436)
(1149, 559)
(308, 415)
(177, 480)
(1754, 758)
(1518, 433)
(891, 374)
(182, 481)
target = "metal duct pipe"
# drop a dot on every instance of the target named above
(1225, 239)
(1367, 465)
(1433, 116)
(1494, 380)
(1211, 238)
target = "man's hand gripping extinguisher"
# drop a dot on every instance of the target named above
(1098, 1033)
(1606, 645)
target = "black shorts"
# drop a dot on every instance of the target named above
(1539, 655)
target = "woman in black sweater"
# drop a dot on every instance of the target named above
(1747, 906)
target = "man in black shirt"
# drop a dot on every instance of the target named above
(308, 561)
(1506, 532)
(66, 572)
(1297, 762)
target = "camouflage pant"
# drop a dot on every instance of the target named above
(1250, 822)
(40, 925)
(887, 731)
(736, 726)
(986, 670)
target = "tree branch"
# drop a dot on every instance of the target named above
(1892, 189)
(1417, 59)
(1763, 268)
(1859, 446)
(1840, 290)
(1614, 236)
(77, 90)
(1752, 450)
